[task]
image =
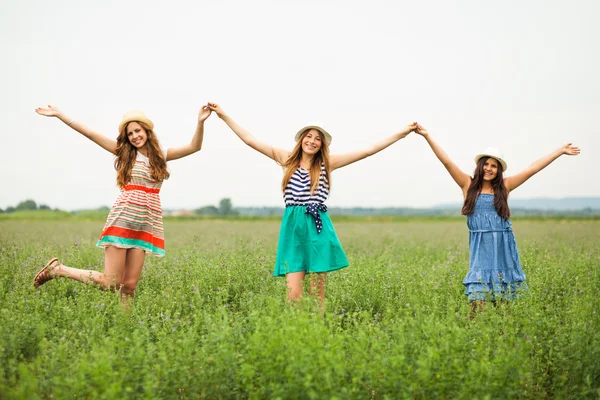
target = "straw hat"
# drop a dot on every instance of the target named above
(318, 126)
(135, 115)
(494, 153)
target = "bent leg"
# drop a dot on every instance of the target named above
(114, 266)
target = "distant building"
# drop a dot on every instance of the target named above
(179, 213)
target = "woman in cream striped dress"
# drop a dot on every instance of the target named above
(134, 226)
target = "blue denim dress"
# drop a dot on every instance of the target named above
(495, 269)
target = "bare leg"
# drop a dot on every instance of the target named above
(317, 288)
(114, 267)
(134, 262)
(294, 284)
(476, 306)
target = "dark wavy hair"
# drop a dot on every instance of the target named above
(500, 191)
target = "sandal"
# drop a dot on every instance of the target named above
(43, 275)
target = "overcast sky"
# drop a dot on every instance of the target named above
(519, 75)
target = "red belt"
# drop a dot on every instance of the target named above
(142, 188)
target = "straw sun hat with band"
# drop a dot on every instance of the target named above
(137, 116)
(318, 126)
(494, 153)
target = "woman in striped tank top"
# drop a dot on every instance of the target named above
(307, 240)
(134, 226)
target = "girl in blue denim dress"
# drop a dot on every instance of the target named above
(495, 271)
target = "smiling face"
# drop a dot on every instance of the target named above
(136, 135)
(312, 142)
(490, 169)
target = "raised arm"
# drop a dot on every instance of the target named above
(513, 182)
(274, 153)
(462, 179)
(341, 160)
(196, 144)
(106, 143)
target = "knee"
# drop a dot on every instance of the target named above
(110, 281)
(294, 292)
(128, 287)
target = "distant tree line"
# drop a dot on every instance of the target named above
(225, 208)
(26, 205)
(405, 211)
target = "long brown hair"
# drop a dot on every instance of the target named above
(500, 191)
(126, 153)
(293, 162)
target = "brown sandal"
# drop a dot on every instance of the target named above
(43, 275)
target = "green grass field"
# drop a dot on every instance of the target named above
(209, 321)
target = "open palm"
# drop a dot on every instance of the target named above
(570, 150)
(51, 111)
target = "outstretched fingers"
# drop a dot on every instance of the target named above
(571, 150)
(50, 111)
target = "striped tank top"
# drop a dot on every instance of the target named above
(297, 191)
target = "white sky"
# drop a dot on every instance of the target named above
(519, 75)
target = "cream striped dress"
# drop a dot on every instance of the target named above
(135, 219)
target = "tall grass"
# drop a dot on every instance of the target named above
(209, 321)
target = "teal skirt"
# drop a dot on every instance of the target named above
(301, 248)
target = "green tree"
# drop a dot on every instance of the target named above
(207, 210)
(27, 205)
(44, 207)
(225, 207)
